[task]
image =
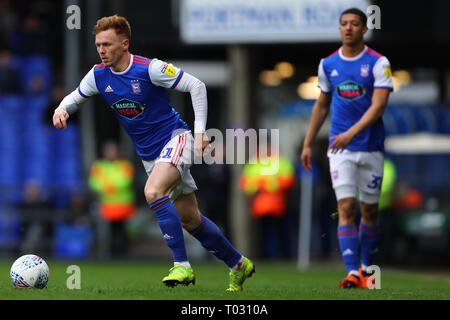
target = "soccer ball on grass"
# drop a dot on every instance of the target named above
(29, 271)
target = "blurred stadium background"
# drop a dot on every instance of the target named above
(259, 74)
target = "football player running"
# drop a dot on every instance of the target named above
(135, 89)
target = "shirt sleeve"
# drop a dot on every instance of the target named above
(164, 74)
(199, 99)
(169, 76)
(324, 83)
(86, 89)
(382, 74)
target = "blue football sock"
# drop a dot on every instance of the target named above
(170, 224)
(349, 244)
(368, 237)
(215, 242)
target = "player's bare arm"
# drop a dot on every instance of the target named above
(375, 112)
(318, 116)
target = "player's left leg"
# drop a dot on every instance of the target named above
(163, 179)
(369, 237)
(212, 239)
(369, 186)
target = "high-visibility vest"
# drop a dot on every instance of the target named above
(387, 185)
(113, 180)
(268, 192)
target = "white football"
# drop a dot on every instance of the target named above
(29, 271)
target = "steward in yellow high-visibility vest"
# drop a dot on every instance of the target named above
(387, 185)
(268, 192)
(113, 180)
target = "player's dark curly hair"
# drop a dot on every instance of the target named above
(118, 23)
(358, 12)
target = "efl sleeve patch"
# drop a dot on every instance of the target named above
(387, 71)
(382, 74)
(168, 70)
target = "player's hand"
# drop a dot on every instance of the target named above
(201, 141)
(340, 142)
(60, 118)
(306, 158)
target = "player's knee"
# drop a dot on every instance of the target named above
(347, 209)
(152, 194)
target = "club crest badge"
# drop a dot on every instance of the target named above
(365, 70)
(136, 86)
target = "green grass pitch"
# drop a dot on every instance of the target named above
(271, 281)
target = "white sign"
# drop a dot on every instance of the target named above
(263, 21)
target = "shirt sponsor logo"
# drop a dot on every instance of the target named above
(127, 108)
(350, 90)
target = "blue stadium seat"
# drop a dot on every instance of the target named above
(436, 176)
(442, 115)
(401, 123)
(72, 241)
(390, 123)
(424, 119)
(66, 171)
(38, 103)
(9, 227)
(10, 104)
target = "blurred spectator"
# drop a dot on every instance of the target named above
(78, 211)
(9, 77)
(31, 37)
(407, 197)
(8, 18)
(36, 223)
(112, 178)
(267, 196)
(36, 85)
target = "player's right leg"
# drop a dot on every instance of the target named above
(162, 180)
(343, 171)
(349, 241)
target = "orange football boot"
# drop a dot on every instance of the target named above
(364, 276)
(350, 282)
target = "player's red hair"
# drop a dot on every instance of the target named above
(118, 23)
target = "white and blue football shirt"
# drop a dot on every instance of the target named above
(351, 82)
(139, 100)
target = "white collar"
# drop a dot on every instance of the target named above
(127, 68)
(352, 58)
